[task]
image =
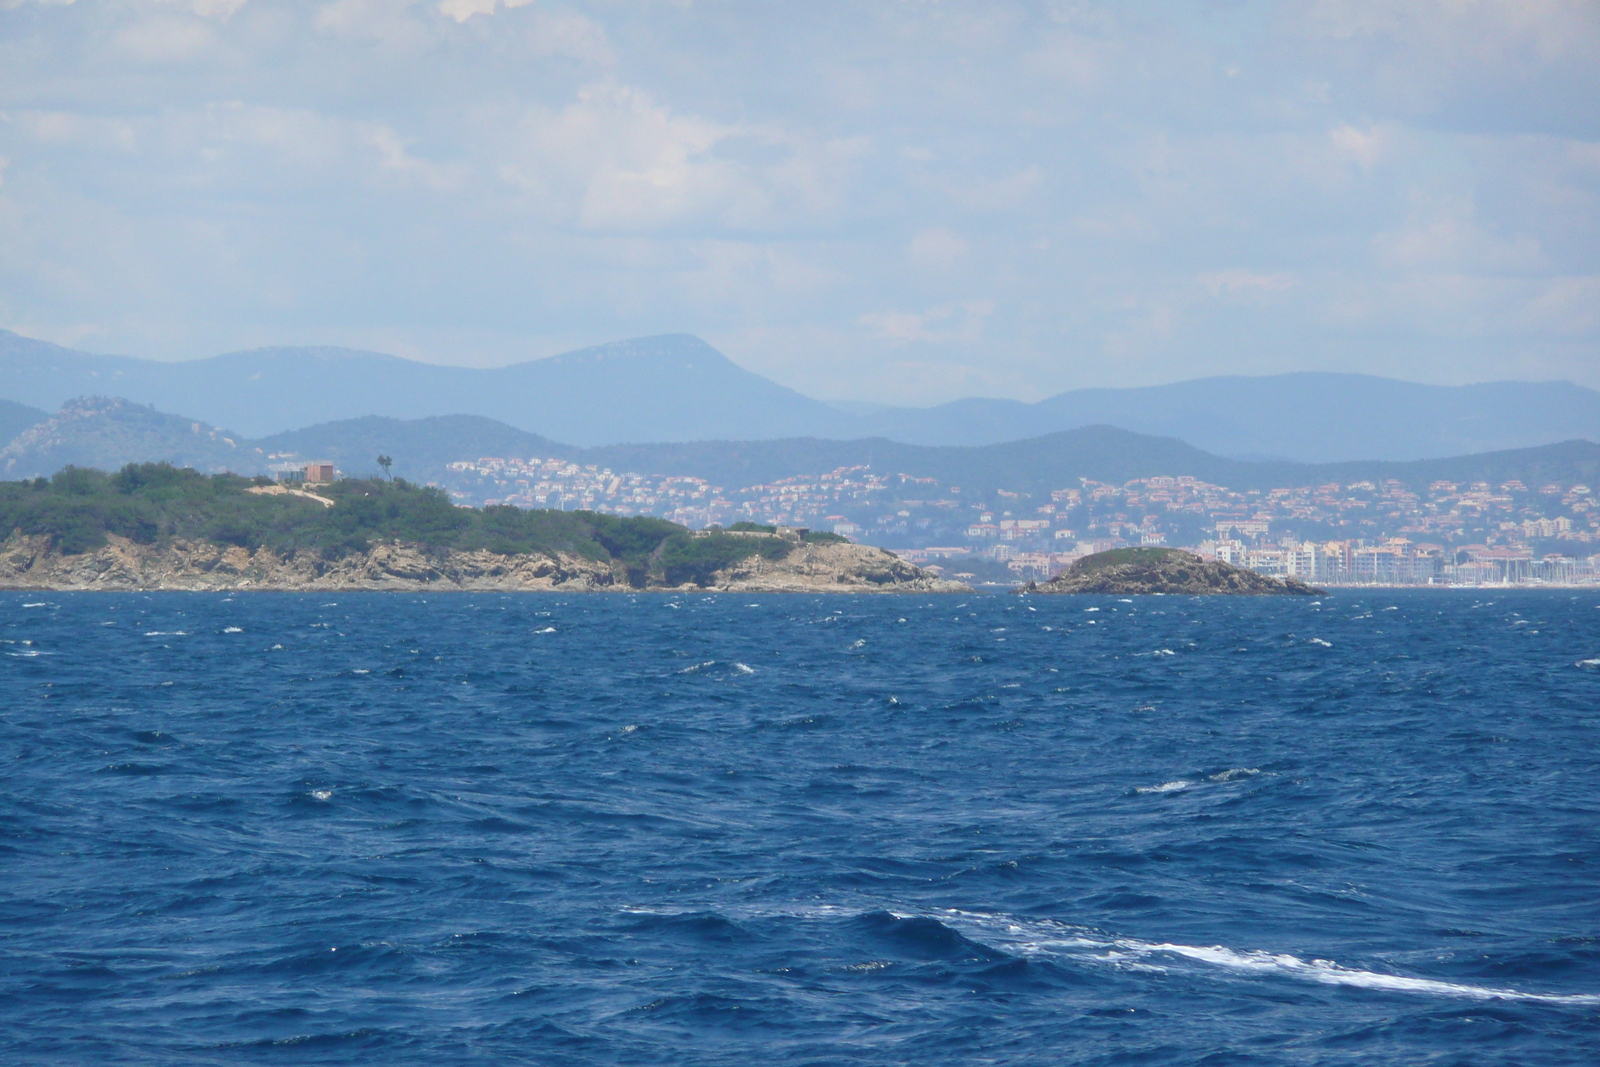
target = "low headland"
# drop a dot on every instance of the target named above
(157, 527)
(1126, 571)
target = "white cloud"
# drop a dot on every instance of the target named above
(1245, 282)
(1362, 146)
(1449, 236)
(936, 249)
(1174, 193)
(166, 39)
(1566, 306)
(944, 324)
(462, 10)
(616, 160)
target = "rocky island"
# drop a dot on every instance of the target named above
(153, 526)
(1165, 570)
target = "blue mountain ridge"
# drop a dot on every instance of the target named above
(676, 388)
(107, 432)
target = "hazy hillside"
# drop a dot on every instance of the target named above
(677, 388)
(14, 418)
(674, 387)
(108, 433)
(421, 447)
(1052, 461)
(1305, 417)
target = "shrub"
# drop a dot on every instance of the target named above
(146, 502)
(686, 558)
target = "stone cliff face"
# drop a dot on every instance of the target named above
(30, 563)
(1165, 571)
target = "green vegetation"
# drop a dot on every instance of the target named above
(1121, 557)
(147, 503)
(687, 558)
(810, 537)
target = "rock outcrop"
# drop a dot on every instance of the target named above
(1165, 570)
(31, 563)
(832, 568)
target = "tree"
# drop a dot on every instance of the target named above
(386, 462)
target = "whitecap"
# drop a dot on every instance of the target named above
(743, 668)
(698, 667)
(1091, 609)
(40, 604)
(1046, 938)
(860, 643)
(1330, 973)
(1589, 664)
(1235, 772)
(1164, 787)
(546, 630)
(232, 630)
(1320, 641)
(322, 794)
(360, 670)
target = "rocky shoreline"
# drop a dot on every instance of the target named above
(1165, 570)
(31, 563)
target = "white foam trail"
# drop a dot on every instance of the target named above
(1043, 938)
(1329, 973)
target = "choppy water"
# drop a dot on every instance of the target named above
(397, 829)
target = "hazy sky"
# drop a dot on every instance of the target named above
(908, 201)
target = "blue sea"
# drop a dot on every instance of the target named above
(762, 829)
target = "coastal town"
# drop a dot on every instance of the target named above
(1360, 533)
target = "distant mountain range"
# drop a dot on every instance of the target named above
(107, 433)
(677, 388)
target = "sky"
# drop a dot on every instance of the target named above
(905, 201)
